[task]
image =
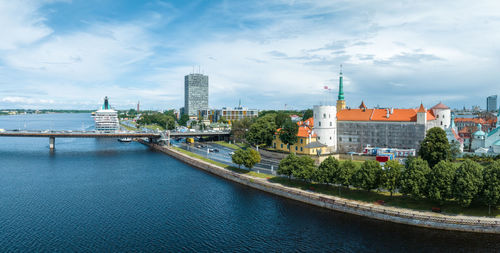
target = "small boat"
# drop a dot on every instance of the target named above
(125, 139)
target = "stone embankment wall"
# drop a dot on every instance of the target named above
(397, 215)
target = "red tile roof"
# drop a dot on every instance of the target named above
(305, 128)
(472, 120)
(399, 115)
(421, 108)
(440, 106)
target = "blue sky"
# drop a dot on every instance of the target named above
(70, 54)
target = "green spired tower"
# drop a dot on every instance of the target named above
(340, 99)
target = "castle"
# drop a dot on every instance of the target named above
(350, 130)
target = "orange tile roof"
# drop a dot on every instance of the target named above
(472, 120)
(305, 128)
(457, 137)
(305, 131)
(421, 108)
(400, 115)
(440, 106)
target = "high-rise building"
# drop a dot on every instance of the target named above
(491, 103)
(195, 93)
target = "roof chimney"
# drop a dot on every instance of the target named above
(387, 112)
(392, 110)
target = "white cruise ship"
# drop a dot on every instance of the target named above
(106, 119)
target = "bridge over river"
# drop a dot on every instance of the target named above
(152, 136)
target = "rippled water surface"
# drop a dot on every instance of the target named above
(102, 195)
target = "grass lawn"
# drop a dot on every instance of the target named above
(237, 170)
(231, 145)
(129, 128)
(397, 200)
(154, 127)
(355, 161)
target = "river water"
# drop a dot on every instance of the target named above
(102, 195)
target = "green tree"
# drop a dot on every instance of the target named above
(345, 172)
(468, 182)
(307, 114)
(304, 168)
(414, 178)
(239, 157)
(223, 120)
(435, 146)
(170, 113)
(367, 177)
(183, 120)
(252, 157)
(170, 122)
(491, 191)
(287, 165)
(440, 182)
(288, 134)
(391, 175)
(239, 128)
(132, 112)
(280, 119)
(262, 131)
(328, 170)
(455, 149)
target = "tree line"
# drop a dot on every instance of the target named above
(432, 175)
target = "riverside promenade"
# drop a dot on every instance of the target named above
(384, 213)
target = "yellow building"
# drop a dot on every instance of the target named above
(307, 143)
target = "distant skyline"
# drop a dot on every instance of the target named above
(70, 54)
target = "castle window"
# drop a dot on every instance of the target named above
(340, 138)
(274, 145)
(319, 123)
(281, 145)
(441, 123)
(328, 115)
(300, 148)
(296, 148)
(301, 141)
(330, 137)
(437, 116)
(324, 115)
(330, 123)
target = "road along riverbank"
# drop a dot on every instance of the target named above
(391, 214)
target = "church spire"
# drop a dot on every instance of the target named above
(341, 85)
(340, 100)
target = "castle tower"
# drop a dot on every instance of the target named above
(442, 114)
(422, 115)
(340, 99)
(325, 125)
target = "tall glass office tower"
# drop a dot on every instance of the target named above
(195, 94)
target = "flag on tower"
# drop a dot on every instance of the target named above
(326, 87)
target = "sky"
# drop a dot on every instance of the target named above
(271, 54)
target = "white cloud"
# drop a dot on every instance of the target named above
(101, 53)
(21, 24)
(274, 52)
